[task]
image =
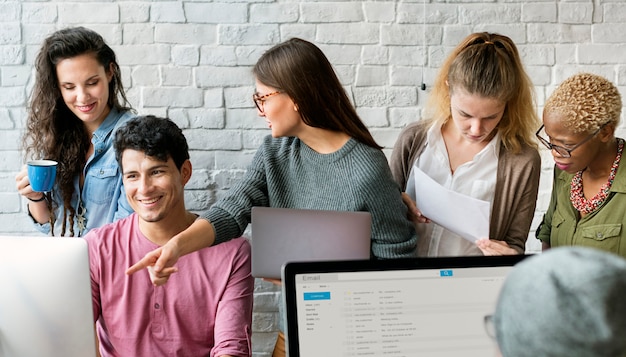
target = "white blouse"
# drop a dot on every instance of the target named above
(475, 178)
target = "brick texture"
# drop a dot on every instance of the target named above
(191, 61)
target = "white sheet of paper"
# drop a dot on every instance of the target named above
(461, 214)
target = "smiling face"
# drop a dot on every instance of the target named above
(280, 112)
(84, 85)
(475, 117)
(154, 189)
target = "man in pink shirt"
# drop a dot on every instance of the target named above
(206, 309)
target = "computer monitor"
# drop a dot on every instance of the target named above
(45, 297)
(430, 307)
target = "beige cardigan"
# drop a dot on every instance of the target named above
(516, 189)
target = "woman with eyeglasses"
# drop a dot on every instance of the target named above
(320, 155)
(477, 139)
(588, 203)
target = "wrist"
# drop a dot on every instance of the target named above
(43, 197)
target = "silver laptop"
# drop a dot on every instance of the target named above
(45, 297)
(423, 307)
(281, 235)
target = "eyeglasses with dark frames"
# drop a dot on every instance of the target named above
(259, 100)
(563, 151)
(490, 329)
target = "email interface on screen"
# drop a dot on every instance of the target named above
(434, 312)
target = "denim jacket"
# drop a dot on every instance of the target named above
(102, 199)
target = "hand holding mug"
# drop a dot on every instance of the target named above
(28, 186)
(22, 183)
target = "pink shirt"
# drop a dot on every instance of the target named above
(204, 309)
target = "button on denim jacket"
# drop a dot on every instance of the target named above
(103, 199)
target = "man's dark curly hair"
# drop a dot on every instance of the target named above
(159, 138)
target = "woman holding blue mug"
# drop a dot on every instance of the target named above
(76, 105)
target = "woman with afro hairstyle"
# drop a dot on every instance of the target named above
(589, 187)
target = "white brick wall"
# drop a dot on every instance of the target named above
(191, 61)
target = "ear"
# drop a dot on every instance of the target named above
(185, 171)
(295, 107)
(109, 72)
(607, 133)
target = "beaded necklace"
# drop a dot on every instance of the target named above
(577, 196)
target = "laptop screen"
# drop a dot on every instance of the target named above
(45, 297)
(280, 235)
(413, 307)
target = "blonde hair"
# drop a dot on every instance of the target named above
(489, 65)
(585, 102)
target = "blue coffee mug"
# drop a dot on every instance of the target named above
(42, 174)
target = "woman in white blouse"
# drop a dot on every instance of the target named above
(477, 139)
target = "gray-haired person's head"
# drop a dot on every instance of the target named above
(567, 301)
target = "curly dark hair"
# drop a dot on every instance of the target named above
(156, 137)
(52, 130)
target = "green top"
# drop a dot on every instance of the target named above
(602, 229)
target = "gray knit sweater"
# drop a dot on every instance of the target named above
(287, 173)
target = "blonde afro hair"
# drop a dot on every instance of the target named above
(585, 102)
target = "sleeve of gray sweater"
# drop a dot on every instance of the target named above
(393, 235)
(287, 173)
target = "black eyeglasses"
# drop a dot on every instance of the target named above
(562, 151)
(259, 100)
(490, 329)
